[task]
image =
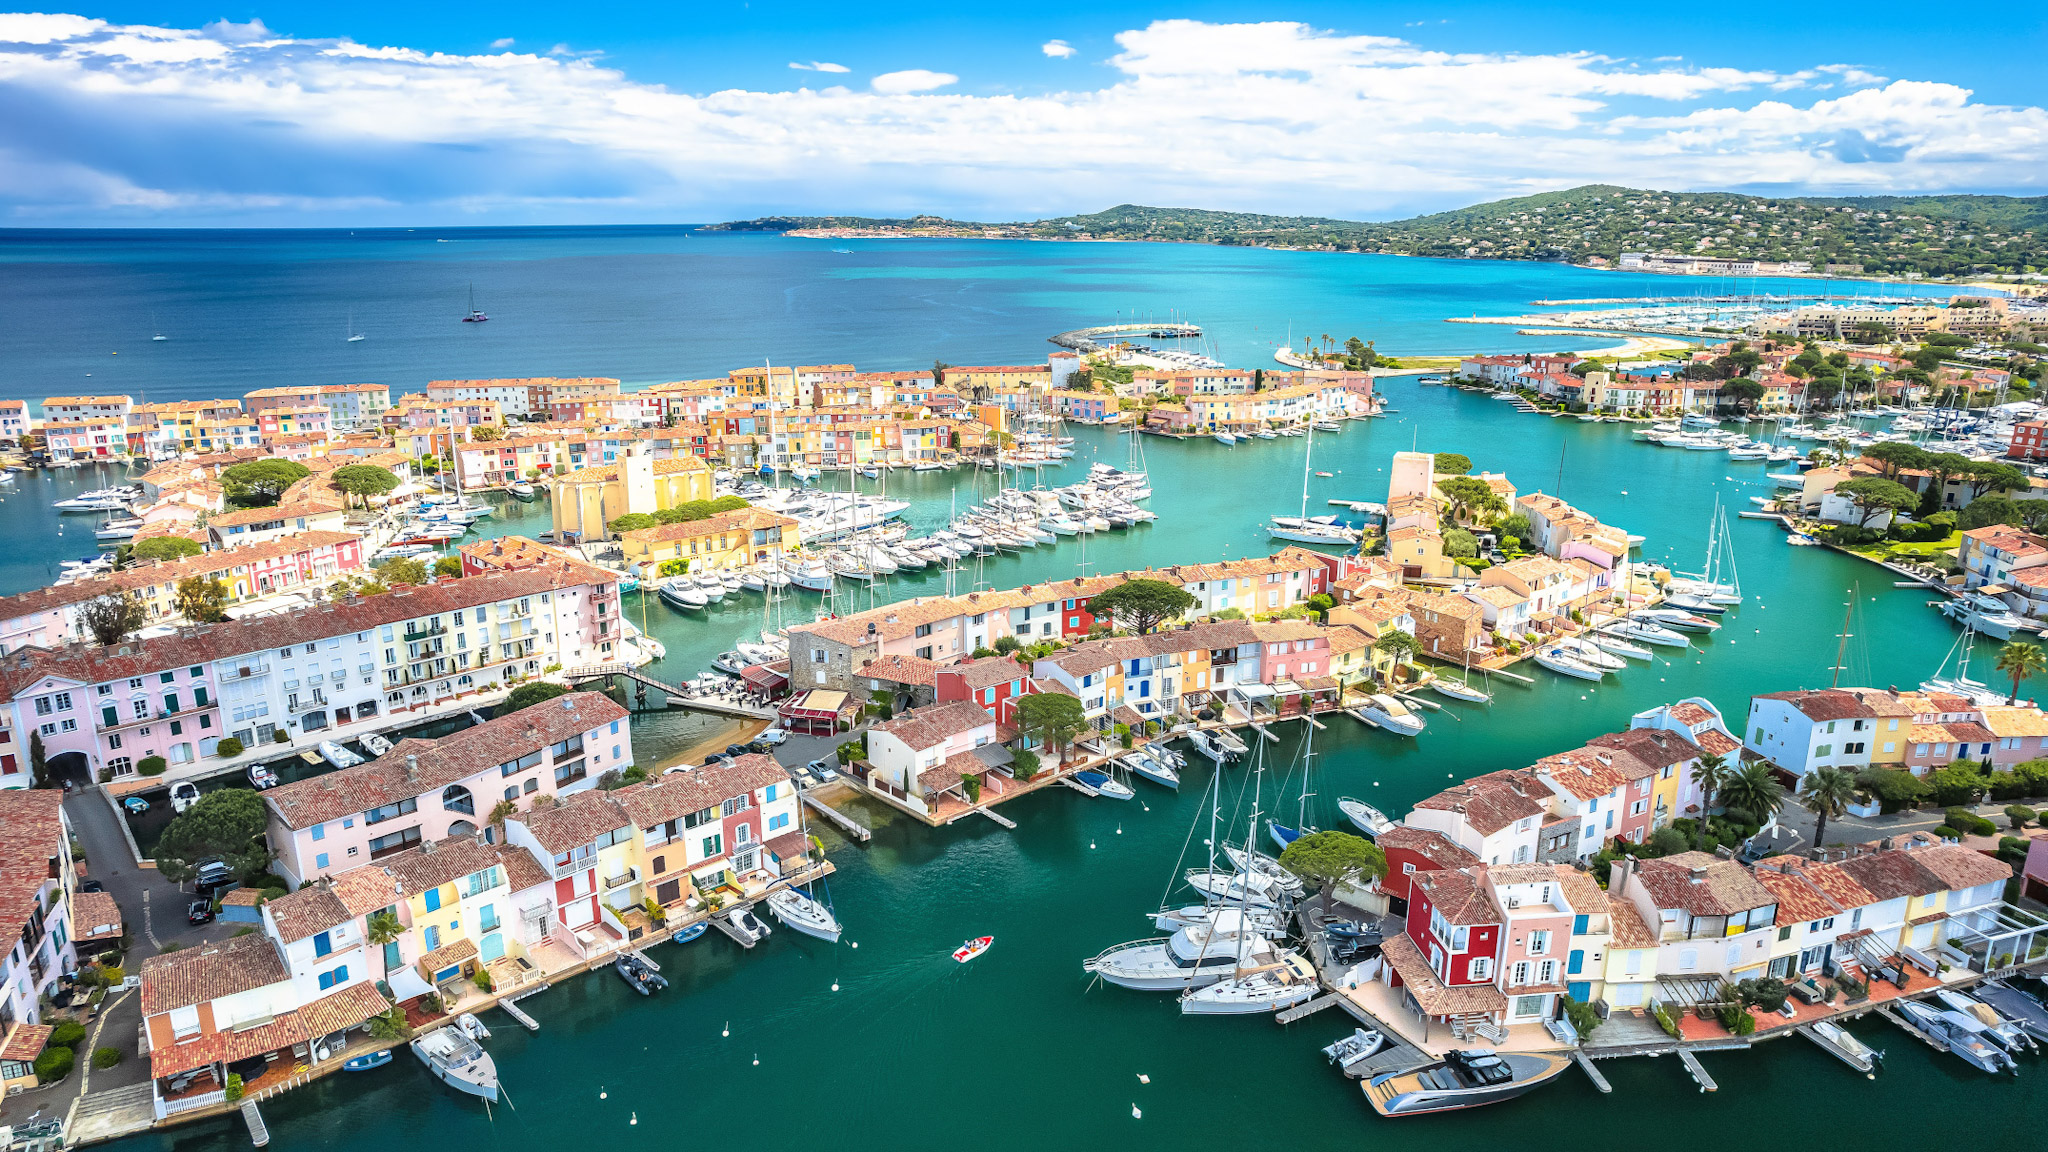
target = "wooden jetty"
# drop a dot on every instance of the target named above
(1309, 1008)
(994, 815)
(1912, 1030)
(743, 939)
(644, 958)
(1692, 1065)
(840, 820)
(259, 1132)
(1592, 1073)
(513, 1010)
(1077, 786)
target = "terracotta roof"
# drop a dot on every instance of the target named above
(419, 767)
(1798, 898)
(987, 672)
(948, 772)
(31, 835)
(1437, 999)
(308, 912)
(278, 512)
(1702, 885)
(574, 820)
(933, 724)
(1654, 747)
(446, 955)
(26, 1042)
(1628, 929)
(1458, 895)
(1714, 742)
(1427, 843)
(344, 1009)
(1581, 891)
(1958, 867)
(439, 862)
(901, 670)
(208, 972)
(1491, 802)
(95, 916)
(1823, 704)
(195, 1053)
(1587, 773)
(674, 795)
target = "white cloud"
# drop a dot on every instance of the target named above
(819, 66)
(1058, 49)
(911, 80)
(235, 123)
(503, 42)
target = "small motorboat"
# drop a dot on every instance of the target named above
(367, 1061)
(332, 752)
(457, 1060)
(1844, 1047)
(747, 924)
(972, 948)
(1266, 867)
(377, 745)
(1369, 819)
(184, 794)
(687, 934)
(520, 490)
(800, 911)
(1283, 835)
(1648, 631)
(1326, 474)
(1608, 642)
(1681, 620)
(1352, 1049)
(473, 1026)
(1389, 713)
(1460, 690)
(638, 974)
(261, 777)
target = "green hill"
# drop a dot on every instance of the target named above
(1932, 235)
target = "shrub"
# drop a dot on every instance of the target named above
(1665, 1020)
(482, 979)
(1959, 783)
(234, 1091)
(105, 1057)
(2007, 786)
(67, 1034)
(1896, 789)
(1024, 764)
(2012, 849)
(1584, 1019)
(1744, 1024)
(280, 737)
(151, 766)
(1947, 833)
(2019, 814)
(229, 748)
(1969, 822)
(54, 1064)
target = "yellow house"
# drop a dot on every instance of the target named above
(590, 498)
(728, 540)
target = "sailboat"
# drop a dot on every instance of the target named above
(1308, 529)
(1282, 834)
(1707, 586)
(1461, 689)
(1259, 981)
(159, 332)
(353, 335)
(475, 316)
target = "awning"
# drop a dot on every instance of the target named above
(1252, 691)
(407, 984)
(766, 676)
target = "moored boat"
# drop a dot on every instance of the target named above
(1369, 819)
(1464, 1078)
(806, 915)
(458, 1061)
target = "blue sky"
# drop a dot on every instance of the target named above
(384, 113)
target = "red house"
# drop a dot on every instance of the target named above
(1453, 922)
(989, 682)
(1413, 850)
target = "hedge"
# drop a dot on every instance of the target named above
(54, 1064)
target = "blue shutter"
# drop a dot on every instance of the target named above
(1579, 925)
(1576, 962)
(322, 944)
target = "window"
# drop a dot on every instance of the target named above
(569, 747)
(389, 811)
(393, 842)
(1539, 943)
(1521, 972)
(1546, 972)
(713, 845)
(432, 935)
(320, 861)
(319, 831)
(323, 943)
(568, 773)
(1482, 968)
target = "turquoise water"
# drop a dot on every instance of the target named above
(245, 310)
(1013, 1051)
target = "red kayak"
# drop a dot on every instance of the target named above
(972, 948)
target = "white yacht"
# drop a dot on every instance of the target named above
(681, 592)
(1369, 819)
(1988, 614)
(1390, 714)
(805, 914)
(1283, 982)
(1648, 631)
(456, 1060)
(1557, 659)
(1247, 890)
(1193, 957)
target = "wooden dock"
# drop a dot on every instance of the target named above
(513, 1010)
(676, 696)
(1692, 1065)
(644, 958)
(1077, 786)
(259, 1132)
(1592, 1073)
(1261, 729)
(854, 829)
(738, 937)
(992, 814)
(1361, 717)
(1309, 1008)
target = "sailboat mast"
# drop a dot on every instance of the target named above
(1842, 648)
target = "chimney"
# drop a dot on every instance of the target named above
(1698, 874)
(412, 767)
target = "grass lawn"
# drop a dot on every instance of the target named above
(1923, 550)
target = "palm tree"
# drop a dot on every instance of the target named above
(1826, 793)
(1712, 774)
(2021, 661)
(382, 928)
(1753, 789)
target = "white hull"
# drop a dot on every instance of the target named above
(804, 914)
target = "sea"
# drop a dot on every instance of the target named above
(882, 1040)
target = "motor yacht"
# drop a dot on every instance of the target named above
(1195, 956)
(1390, 714)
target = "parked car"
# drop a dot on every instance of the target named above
(91, 886)
(135, 805)
(199, 912)
(735, 749)
(773, 736)
(824, 769)
(214, 875)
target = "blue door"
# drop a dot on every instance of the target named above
(1579, 990)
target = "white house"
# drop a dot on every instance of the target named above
(1497, 817)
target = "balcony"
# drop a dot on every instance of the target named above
(629, 876)
(245, 672)
(416, 632)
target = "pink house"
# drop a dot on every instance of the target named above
(1536, 939)
(923, 754)
(1292, 650)
(429, 790)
